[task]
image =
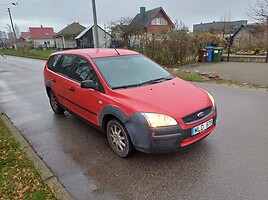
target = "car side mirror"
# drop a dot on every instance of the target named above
(89, 84)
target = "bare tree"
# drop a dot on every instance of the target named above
(17, 30)
(259, 13)
(225, 29)
(124, 33)
(8, 28)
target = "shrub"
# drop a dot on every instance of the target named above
(23, 47)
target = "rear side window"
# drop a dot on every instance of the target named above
(64, 66)
(52, 63)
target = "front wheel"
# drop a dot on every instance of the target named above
(54, 104)
(118, 138)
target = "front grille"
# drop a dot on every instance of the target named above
(194, 117)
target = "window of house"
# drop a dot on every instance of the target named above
(153, 37)
(159, 21)
(64, 66)
(52, 63)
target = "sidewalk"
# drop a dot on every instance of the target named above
(252, 73)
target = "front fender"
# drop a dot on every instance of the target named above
(115, 111)
(135, 124)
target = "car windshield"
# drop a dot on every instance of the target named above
(130, 71)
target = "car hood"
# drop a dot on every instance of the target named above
(176, 98)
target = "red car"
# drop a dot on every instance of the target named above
(134, 100)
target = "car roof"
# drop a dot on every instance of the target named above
(98, 52)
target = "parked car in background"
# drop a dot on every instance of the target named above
(134, 100)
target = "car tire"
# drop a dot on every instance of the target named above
(54, 104)
(118, 138)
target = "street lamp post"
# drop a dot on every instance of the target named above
(96, 38)
(266, 60)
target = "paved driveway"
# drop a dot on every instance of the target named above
(256, 73)
(231, 163)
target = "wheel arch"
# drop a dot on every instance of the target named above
(48, 87)
(111, 112)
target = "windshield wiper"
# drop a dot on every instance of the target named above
(124, 86)
(158, 80)
(153, 81)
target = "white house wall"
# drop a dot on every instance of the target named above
(70, 44)
(59, 43)
(41, 43)
(65, 43)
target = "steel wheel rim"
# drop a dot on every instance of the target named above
(53, 101)
(118, 138)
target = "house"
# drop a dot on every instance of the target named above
(42, 37)
(10, 36)
(249, 37)
(3, 39)
(86, 38)
(25, 36)
(65, 39)
(225, 27)
(246, 30)
(152, 21)
(148, 22)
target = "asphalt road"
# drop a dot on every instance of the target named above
(231, 163)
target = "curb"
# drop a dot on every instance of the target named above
(47, 175)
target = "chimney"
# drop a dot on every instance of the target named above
(142, 13)
(41, 26)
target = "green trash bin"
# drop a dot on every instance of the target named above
(217, 54)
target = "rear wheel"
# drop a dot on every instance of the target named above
(118, 138)
(54, 104)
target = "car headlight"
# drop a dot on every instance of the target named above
(212, 99)
(157, 120)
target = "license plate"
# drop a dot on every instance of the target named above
(202, 127)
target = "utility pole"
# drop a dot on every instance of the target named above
(96, 38)
(266, 60)
(14, 33)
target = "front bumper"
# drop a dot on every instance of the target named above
(164, 139)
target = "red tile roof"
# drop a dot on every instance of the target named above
(41, 33)
(25, 35)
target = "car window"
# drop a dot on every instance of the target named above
(82, 71)
(64, 66)
(52, 63)
(129, 70)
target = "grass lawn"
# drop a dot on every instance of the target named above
(190, 76)
(18, 178)
(39, 54)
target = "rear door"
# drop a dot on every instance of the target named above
(61, 79)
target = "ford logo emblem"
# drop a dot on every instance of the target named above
(201, 114)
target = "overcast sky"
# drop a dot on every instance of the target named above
(59, 13)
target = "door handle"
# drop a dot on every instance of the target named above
(54, 80)
(71, 89)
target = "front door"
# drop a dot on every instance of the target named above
(85, 102)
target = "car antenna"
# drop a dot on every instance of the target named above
(117, 51)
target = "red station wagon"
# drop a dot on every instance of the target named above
(134, 100)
